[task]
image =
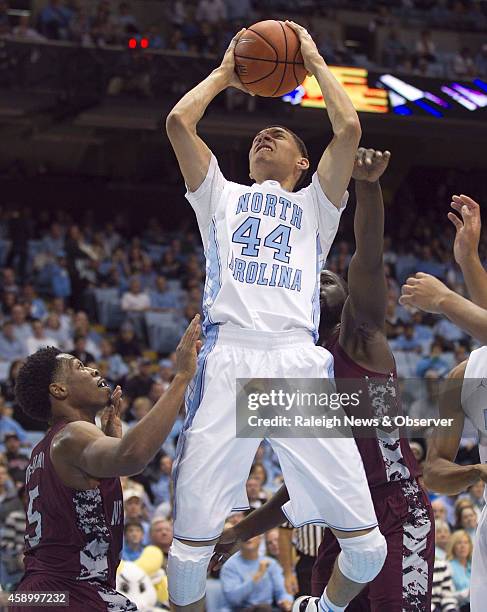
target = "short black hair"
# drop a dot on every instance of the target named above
(32, 386)
(302, 149)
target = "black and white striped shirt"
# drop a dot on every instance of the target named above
(307, 538)
(442, 598)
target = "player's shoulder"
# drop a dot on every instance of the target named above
(74, 435)
(458, 372)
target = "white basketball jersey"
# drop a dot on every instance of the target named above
(474, 397)
(265, 248)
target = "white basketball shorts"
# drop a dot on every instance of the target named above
(325, 477)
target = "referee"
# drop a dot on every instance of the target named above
(306, 541)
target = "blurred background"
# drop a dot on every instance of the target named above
(99, 251)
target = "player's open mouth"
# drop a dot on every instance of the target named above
(263, 148)
(102, 383)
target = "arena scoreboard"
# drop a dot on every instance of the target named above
(402, 95)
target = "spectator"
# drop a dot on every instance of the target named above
(55, 330)
(250, 579)
(481, 61)
(9, 300)
(54, 20)
(9, 282)
(127, 344)
(139, 384)
(17, 461)
(135, 299)
(10, 347)
(59, 277)
(5, 25)
(163, 299)
(434, 365)
(80, 352)
(463, 64)
(459, 555)
(35, 306)
(442, 597)
(408, 340)
(239, 11)
(12, 546)
(161, 535)
(25, 31)
(38, 339)
(256, 495)
(135, 510)
(212, 11)
(466, 517)
(7, 489)
(117, 368)
(8, 425)
(125, 22)
(140, 407)
(476, 497)
(133, 536)
(161, 488)
(442, 538)
(425, 47)
(272, 543)
(393, 49)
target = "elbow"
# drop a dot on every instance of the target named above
(175, 122)
(351, 130)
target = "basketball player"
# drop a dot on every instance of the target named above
(466, 391)
(352, 328)
(265, 246)
(75, 507)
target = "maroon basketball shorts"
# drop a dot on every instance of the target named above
(404, 583)
(84, 596)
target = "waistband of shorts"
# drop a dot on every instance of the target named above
(265, 340)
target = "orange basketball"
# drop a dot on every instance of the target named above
(268, 59)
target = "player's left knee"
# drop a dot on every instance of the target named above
(186, 572)
(362, 558)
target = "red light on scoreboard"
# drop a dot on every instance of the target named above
(144, 43)
(132, 43)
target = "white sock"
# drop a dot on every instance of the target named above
(325, 605)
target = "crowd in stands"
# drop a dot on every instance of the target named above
(55, 277)
(207, 26)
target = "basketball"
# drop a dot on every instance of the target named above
(268, 59)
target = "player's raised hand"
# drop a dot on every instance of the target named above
(227, 67)
(370, 164)
(309, 50)
(467, 228)
(425, 292)
(188, 349)
(111, 422)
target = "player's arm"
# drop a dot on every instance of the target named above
(441, 474)
(268, 516)
(336, 164)
(466, 247)
(85, 447)
(192, 153)
(366, 268)
(428, 293)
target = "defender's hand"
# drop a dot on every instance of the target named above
(309, 50)
(425, 292)
(468, 228)
(188, 349)
(111, 423)
(228, 545)
(370, 164)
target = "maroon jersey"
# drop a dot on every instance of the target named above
(386, 458)
(72, 535)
